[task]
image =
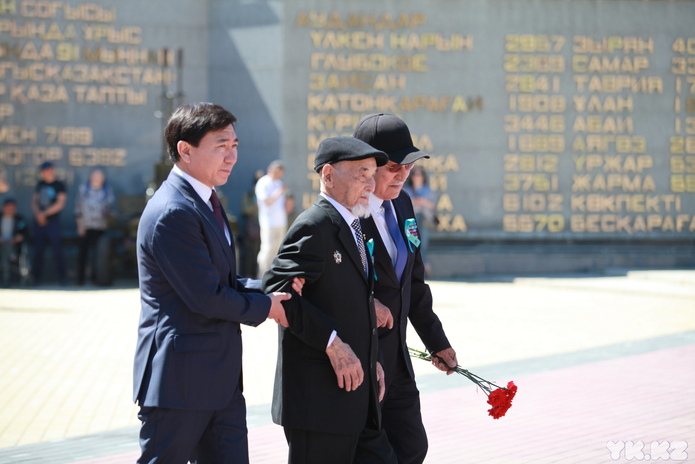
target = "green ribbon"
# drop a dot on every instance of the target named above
(411, 233)
(370, 247)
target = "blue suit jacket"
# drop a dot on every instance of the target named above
(188, 353)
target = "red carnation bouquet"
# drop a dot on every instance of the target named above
(500, 398)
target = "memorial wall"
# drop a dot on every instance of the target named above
(88, 84)
(545, 120)
(569, 120)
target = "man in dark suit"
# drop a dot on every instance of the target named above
(328, 381)
(187, 372)
(400, 292)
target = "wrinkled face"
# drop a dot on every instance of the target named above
(390, 179)
(350, 182)
(212, 160)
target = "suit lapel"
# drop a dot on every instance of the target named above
(204, 210)
(400, 210)
(346, 234)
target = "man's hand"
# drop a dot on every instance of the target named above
(346, 365)
(298, 285)
(277, 312)
(384, 318)
(381, 380)
(445, 360)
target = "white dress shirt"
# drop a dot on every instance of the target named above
(375, 204)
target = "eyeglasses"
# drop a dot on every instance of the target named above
(397, 167)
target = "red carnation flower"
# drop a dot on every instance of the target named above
(500, 399)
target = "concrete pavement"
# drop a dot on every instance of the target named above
(603, 363)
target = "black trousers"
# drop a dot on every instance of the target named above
(402, 429)
(88, 245)
(309, 447)
(369, 447)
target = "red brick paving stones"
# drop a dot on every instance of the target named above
(564, 415)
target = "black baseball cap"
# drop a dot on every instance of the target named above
(335, 149)
(46, 165)
(389, 134)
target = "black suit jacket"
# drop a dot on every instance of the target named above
(188, 353)
(337, 295)
(410, 299)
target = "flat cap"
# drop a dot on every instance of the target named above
(335, 149)
(389, 134)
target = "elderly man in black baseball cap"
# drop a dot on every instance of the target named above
(400, 292)
(328, 381)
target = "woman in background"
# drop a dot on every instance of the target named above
(424, 205)
(93, 207)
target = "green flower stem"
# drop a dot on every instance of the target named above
(484, 385)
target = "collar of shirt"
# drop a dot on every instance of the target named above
(203, 191)
(344, 212)
(375, 204)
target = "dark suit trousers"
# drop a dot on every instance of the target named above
(170, 436)
(402, 429)
(309, 447)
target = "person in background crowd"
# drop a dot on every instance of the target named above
(423, 199)
(400, 293)
(14, 231)
(93, 207)
(272, 214)
(250, 238)
(47, 202)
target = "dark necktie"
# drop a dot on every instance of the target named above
(401, 251)
(360, 243)
(217, 209)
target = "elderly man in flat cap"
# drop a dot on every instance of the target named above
(328, 382)
(400, 292)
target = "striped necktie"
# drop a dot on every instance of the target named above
(360, 243)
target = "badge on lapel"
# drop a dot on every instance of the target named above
(337, 257)
(411, 233)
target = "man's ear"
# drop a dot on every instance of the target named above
(184, 149)
(327, 175)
